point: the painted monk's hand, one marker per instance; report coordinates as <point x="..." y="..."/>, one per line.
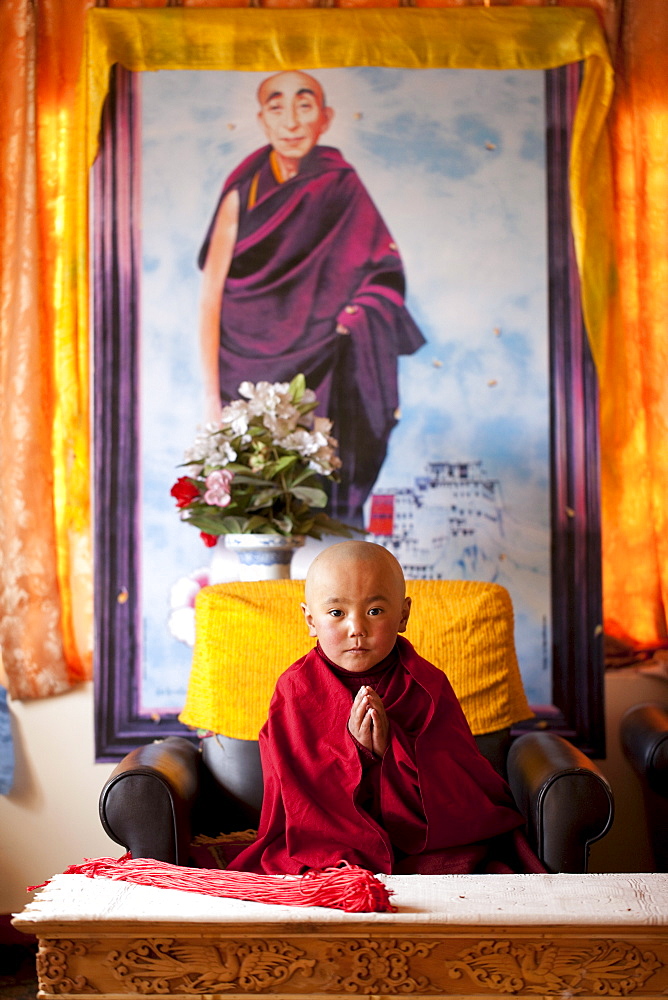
<point x="368" y="721"/>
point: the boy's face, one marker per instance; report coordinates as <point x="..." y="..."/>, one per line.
<point x="355" y="608"/>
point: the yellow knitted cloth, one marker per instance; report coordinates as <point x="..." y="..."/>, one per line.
<point x="249" y="633"/>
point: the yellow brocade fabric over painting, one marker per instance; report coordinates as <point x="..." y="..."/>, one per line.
<point x="247" y="634"/>
<point x="456" y="38"/>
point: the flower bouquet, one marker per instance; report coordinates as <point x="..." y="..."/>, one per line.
<point x="259" y="470"/>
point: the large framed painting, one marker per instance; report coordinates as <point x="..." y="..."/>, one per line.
<point x="489" y="470"/>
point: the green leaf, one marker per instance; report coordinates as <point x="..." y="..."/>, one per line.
<point x="273" y="469"/>
<point x="205" y="519"/>
<point x="257" y="431"/>
<point x="193" y="461"/>
<point x="311" y="495"/>
<point x="332" y="527"/>
<point x="263" y="499"/>
<point x="303" y="526"/>
<point x="253" y="479"/>
<point x="303" y="476"/>
<point x="232" y="525"/>
<point x="305" y="408"/>
<point x="237" y="468"/>
<point x="286" y="526"/>
<point x="258" y="525"/>
<point x="297" y="387"/>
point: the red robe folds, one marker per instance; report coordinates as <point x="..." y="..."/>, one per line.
<point x="438" y="805"/>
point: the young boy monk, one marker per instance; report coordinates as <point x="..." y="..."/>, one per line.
<point x="366" y="754"/>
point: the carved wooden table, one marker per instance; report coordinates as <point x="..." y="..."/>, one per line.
<point x="453" y="936"/>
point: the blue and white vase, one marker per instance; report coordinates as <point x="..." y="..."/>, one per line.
<point x="259" y="557"/>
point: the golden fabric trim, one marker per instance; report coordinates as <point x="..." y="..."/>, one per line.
<point x="276" y="167"/>
<point x="247" y="634"/>
<point x="252" y="194"/>
<point x="278" y="177"/>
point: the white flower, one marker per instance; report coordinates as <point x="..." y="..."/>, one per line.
<point x="282" y="423"/>
<point x="265" y="397"/>
<point x="315" y="446"/>
<point x="209" y="448"/>
<point x="301" y="441"/>
<point x="222" y="453"/>
<point x="325" y="461"/>
<point x="236" y="416"/>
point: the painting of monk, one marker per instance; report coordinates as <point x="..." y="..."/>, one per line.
<point x="301" y="274"/>
<point x="384" y="232"/>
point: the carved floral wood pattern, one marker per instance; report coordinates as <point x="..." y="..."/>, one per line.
<point x="53" y="968"/>
<point x="445" y="963"/>
<point x="380" y="966"/>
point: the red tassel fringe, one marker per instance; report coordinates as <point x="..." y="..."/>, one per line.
<point x="346" y="887"/>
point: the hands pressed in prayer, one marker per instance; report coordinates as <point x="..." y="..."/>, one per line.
<point x="368" y="721"/>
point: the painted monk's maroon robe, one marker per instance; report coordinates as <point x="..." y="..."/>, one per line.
<point x="433" y="804"/>
<point x="311" y="253"/>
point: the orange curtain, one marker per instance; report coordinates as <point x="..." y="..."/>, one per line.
<point x="45" y="553"/>
<point x="45" y="549"/>
<point x="634" y="379"/>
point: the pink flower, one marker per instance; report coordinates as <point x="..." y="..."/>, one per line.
<point x="218" y="488"/>
<point x="183" y="491"/>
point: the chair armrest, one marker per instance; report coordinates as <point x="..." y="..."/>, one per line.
<point x="147" y="802"/>
<point x="566" y="801"/>
<point x="644" y="737"/>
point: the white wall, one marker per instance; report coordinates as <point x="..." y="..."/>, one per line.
<point x="49" y="820"/>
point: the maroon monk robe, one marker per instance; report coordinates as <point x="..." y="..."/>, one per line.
<point x="313" y="252"/>
<point x="439" y="807"/>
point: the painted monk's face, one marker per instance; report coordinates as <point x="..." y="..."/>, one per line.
<point x="293" y="113"/>
<point x="356" y="604"/>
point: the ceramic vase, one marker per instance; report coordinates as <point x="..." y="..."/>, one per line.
<point x="259" y="557"/>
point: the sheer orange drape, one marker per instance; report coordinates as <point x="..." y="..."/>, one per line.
<point x="634" y="377"/>
<point x="45" y="564"/>
<point x="45" y="589"/>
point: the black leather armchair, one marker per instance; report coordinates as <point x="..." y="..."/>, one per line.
<point x="644" y="739"/>
<point x="162" y="795"/>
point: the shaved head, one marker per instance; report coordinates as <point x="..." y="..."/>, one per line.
<point x="343" y="554"/>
